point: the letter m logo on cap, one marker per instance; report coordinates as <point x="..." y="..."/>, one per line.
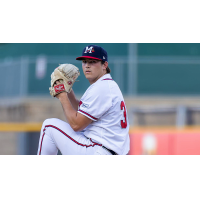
<point x="90" y="50"/>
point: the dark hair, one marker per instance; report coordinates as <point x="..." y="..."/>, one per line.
<point x="107" y="69"/>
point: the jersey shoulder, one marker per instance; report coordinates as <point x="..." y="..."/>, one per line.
<point x="100" y="87"/>
<point x="107" y="84"/>
<point x="106" y="87"/>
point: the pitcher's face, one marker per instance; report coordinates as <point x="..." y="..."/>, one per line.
<point x="93" y="69"/>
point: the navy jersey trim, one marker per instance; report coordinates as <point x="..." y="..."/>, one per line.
<point x="87" y="114"/>
<point x="83" y="145"/>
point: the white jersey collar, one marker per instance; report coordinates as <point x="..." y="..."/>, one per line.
<point x="106" y="76"/>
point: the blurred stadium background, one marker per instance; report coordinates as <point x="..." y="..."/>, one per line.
<point x="160" y="83"/>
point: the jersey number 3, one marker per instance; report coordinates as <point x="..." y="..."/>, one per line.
<point x="123" y="122"/>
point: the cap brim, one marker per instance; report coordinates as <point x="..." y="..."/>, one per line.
<point x="89" y="57"/>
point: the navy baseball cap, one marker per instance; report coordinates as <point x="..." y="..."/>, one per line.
<point x="94" y="52"/>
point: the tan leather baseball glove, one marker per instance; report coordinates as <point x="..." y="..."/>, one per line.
<point x="66" y="74"/>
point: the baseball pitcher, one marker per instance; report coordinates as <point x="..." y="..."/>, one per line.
<point x="98" y="123"/>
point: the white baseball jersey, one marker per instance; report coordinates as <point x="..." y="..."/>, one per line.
<point x="104" y="104"/>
